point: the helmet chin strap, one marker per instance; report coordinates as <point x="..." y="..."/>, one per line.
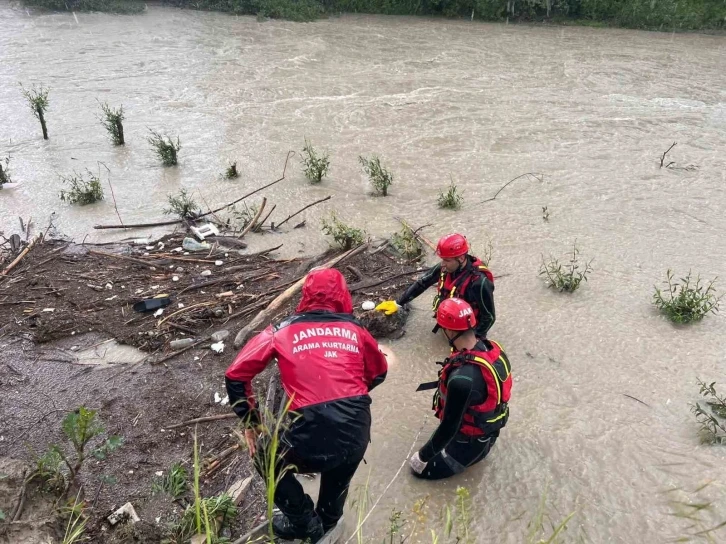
<point x="455" y="338"/>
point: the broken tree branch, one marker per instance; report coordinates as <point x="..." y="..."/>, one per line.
<point x="19" y="258"/>
<point x="302" y="210"/>
<point x="201" y="420"/>
<point x="538" y="177"/>
<point x="662" y="159"/>
<point x="251" y="224"/>
<point x="259" y="225"/>
<point x="125" y="258"/>
<point x="265" y="315"/>
<point x="177" y="221"/>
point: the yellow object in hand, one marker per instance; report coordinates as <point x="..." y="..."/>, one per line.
<point x="388" y="307"/>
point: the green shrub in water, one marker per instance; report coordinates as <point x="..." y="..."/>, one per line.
<point x="686" y="301"/>
<point x="344" y="235"/>
<point x="82" y="191"/>
<point x="565" y="277"/>
<point x="164" y="147"/>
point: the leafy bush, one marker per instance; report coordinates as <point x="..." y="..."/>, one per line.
<point x="451" y="199"/>
<point x="5" y="172"/>
<point x="231" y="172"/>
<point x="164" y="147"/>
<point x="174" y="483"/>
<point x="110" y="6"/>
<point x="345" y="236"/>
<point x="37" y="98"/>
<point x="316" y="166"/>
<point x="112" y="121"/>
<point x="712" y="417"/>
<point x="686" y="301"/>
<point x="82" y="191"/>
<point x="380" y="177"/>
<point x="565" y="277"/>
<point x="406" y="244"/>
<point x="182" y="205"/>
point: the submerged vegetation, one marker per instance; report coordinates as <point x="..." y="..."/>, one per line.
<point x="686" y="301"/>
<point x="565" y="277"/>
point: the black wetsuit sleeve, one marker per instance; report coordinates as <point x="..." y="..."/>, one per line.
<point x="460" y="387"/>
<point x="481" y="292"/>
<point x="420" y="285"/>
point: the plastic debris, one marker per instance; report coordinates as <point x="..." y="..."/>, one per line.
<point x="368" y="305"/>
<point x="218" y="347"/>
<point x="208" y="229"/>
<point x="206" y="273"/>
<point x="158" y="312"/>
<point x="218" y="263"/>
<point x="151" y="304"/>
<point x="175" y="278"/>
<point x="125" y="512"/>
<point x="190" y="244"/>
<point x="220" y="335"/>
<point x="181" y="343"/>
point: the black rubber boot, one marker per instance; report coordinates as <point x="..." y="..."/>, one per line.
<point x="285" y="529"/>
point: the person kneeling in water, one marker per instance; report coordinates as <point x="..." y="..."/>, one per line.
<point x="471" y="399"/>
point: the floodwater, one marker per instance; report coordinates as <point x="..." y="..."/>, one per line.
<point x="591" y="109"/>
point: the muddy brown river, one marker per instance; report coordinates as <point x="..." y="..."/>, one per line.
<point x="590" y="109"/>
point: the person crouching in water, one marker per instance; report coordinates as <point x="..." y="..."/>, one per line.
<point x="471" y="399"/>
<point x="328" y="364"/>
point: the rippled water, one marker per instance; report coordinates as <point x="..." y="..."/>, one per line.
<point x="590" y="109"/>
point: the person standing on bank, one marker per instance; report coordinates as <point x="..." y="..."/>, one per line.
<point x="328" y="364"/>
<point x="471" y="399"/>
<point x="457" y="275"/>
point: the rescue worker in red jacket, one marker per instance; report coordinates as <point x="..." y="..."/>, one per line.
<point x="328" y="364"/>
<point x="471" y="400"/>
<point x="457" y="275"/>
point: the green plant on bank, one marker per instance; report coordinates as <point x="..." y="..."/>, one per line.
<point x="686" y="301"/>
<point x="37" y="98"/>
<point x="173" y="483"/>
<point x="231" y="172"/>
<point x="316" y="166"/>
<point x="343" y="235"/>
<point x="380" y="177"/>
<point x="76" y="523"/>
<point x="565" y="277"/>
<point x="82" y="191"/>
<point x="59" y="467"/>
<point x="112" y="121"/>
<point x="5" y="172"/>
<point x="696" y="509"/>
<point x="451" y="199"/>
<point x="109" y="6"/>
<point x="712" y="415"/>
<point x="207" y="516"/>
<point x="407" y="244"/>
<point x="182" y="205"/>
<point x="395" y="526"/>
<point x="293" y="10"/>
<point x="164" y="147"/>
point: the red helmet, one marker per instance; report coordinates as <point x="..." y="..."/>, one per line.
<point x="455" y="314"/>
<point x="452" y="246"/>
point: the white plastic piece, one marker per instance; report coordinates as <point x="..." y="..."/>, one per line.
<point x="158" y="312"/>
<point x="218" y="347"/>
<point x="175" y="278"/>
<point x="368" y="305"/>
<point x="206" y="273"/>
<point x="208" y="229"/>
<point x="126" y="511"/>
<point x="218" y="263"/>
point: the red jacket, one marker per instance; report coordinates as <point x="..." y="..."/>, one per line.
<point x="328" y="361"/>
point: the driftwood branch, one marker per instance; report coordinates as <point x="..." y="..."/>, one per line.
<point x="259" y="225"/>
<point x="367" y="284"/>
<point x="125" y="258"/>
<point x="266" y="314"/>
<point x="210" y="212"/>
<point x="201" y="420"/>
<point x="19" y="258"/>
<point x="251" y="224"/>
<point x="302" y="210"/>
<point x="538" y="177"/>
<point x="662" y="159"/>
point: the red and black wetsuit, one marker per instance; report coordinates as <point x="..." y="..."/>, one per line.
<point x="472" y="404"/>
<point x="328" y="364"/>
<point x="473" y="282"/>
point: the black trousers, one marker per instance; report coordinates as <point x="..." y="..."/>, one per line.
<point x="335" y="476"/>
<point x="461" y="453"/>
